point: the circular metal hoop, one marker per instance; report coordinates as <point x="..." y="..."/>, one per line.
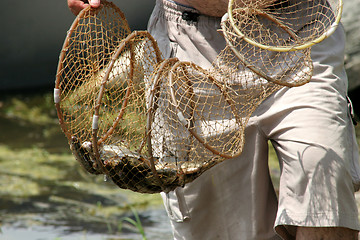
<point x="188" y="123"/>
<point x="116" y="55"/>
<point x="257" y="70"/>
<point x="302" y="46"/>
<point x="84" y="14"/>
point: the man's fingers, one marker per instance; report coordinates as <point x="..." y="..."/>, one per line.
<point x="94" y="3"/>
<point x="77" y="5"/>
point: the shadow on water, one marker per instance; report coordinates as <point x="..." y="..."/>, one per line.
<point x="44" y="194"/>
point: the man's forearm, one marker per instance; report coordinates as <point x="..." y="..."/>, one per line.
<point x="218" y="8"/>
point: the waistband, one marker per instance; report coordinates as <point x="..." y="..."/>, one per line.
<point x="173" y="11"/>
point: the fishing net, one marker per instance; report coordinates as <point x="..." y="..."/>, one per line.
<point x="152" y="124"/>
<point x="284" y="25"/>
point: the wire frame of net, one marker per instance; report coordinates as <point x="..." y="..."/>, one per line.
<point x="85" y="55"/>
<point x="149" y="124"/>
<point x="284" y="25"/>
<point x="86" y="52"/>
<point x="286" y="68"/>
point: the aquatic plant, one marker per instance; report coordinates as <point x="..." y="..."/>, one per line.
<point x="136" y="222"/>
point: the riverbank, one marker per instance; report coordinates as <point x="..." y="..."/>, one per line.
<point x="44" y="193"/>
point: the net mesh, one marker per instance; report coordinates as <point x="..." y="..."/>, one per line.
<point x="284" y="25"/>
<point x="152" y="124"/>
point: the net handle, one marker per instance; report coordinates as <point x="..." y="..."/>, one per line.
<point x="308" y="44"/>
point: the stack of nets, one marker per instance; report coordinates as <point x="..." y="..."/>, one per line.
<point x="152" y="124"/>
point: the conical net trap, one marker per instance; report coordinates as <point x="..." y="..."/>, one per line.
<point x="152" y="124"/>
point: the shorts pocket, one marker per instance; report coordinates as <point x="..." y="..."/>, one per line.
<point x="351" y="111"/>
<point x="175" y="205"/>
<point x="355" y="167"/>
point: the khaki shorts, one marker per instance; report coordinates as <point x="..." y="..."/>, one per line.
<point x="309" y="127"/>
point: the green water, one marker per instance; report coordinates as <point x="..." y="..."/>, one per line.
<point x="44" y="194"/>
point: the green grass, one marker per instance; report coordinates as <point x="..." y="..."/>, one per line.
<point x="136" y="223"/>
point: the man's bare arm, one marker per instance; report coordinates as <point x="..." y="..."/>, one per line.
<point x="218" y="8"/>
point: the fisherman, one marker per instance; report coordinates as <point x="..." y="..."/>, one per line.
<point x="309" y="126"/>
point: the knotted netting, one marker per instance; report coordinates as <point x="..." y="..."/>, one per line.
<point x="152" y="124"/>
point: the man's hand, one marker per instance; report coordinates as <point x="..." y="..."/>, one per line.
<point x="77" y="5"/>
